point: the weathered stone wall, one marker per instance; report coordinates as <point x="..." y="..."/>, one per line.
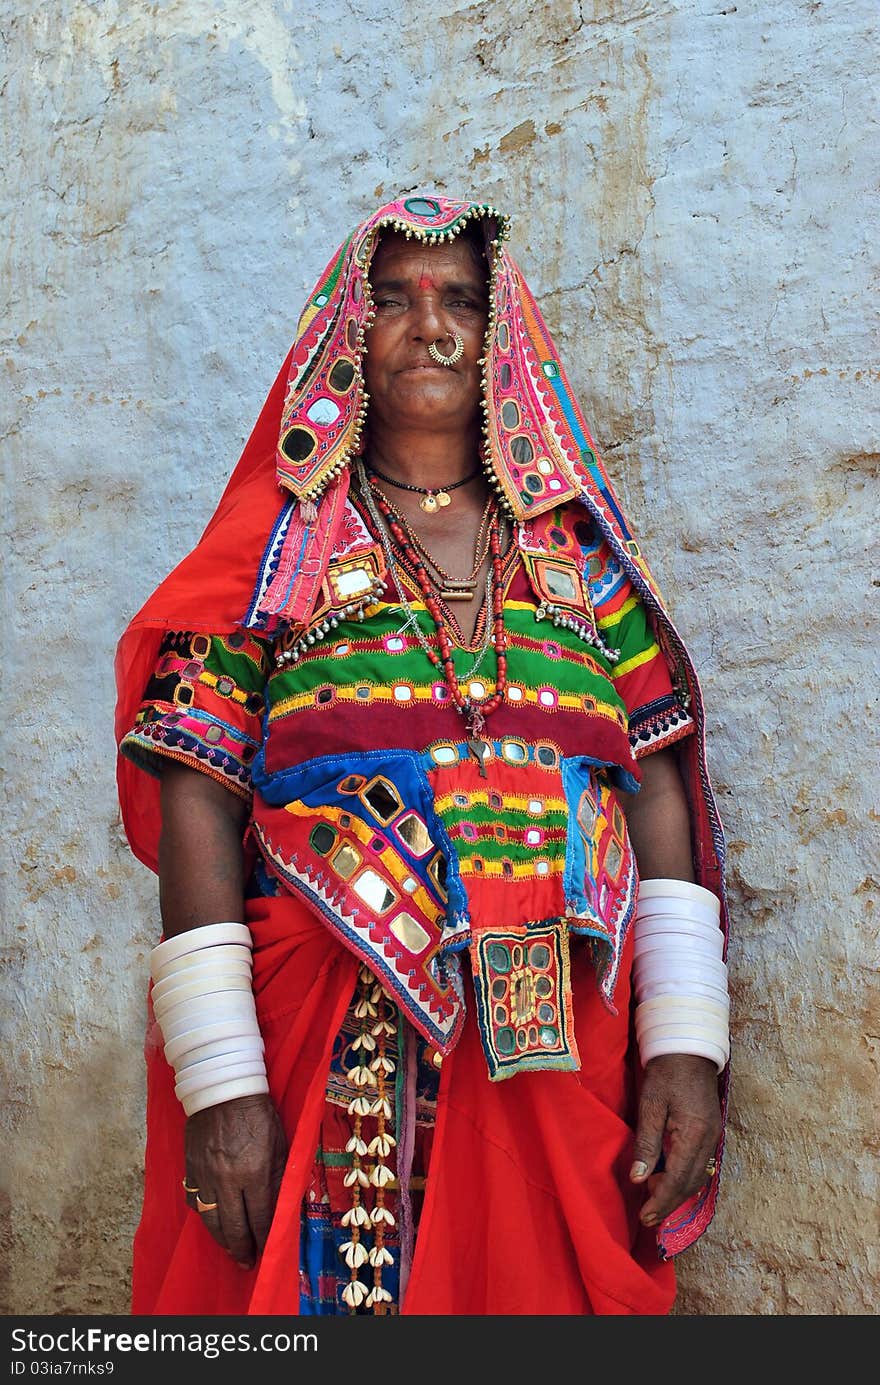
<point x="689" y="180"/>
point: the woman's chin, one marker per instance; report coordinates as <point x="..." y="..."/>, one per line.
<point x="430" y="400"/>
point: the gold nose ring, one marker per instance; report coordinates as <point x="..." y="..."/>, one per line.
<point x="455" y="355"/>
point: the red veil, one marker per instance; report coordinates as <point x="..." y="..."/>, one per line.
<point x="208" y="590"/>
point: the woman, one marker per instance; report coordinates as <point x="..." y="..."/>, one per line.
<point x="419" y="700"/>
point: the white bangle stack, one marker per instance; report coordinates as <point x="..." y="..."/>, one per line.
<point x="680" y="977"/>
<point x="203" y="1001"/>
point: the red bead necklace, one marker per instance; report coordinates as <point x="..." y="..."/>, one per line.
<point x="451" y="588"/>
<point x="474" y="713"/>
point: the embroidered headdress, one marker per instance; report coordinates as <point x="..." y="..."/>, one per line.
<point x="537" y="449"/>
<point x="532" y="454"/>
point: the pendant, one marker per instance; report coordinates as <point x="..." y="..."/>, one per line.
<point x="443" y="499"/>
<point x="428" y="503"/>
<point x="460" y="592"/>
<point x="478" y="750"/>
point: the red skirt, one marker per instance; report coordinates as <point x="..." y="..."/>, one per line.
<point x="528" y="1208"/>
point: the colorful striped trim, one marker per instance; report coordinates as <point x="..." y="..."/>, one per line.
<point x="214" y="747"/>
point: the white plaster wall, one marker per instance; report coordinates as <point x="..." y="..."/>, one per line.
<point x="690" y="186"/>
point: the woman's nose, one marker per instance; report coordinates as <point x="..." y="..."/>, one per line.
<point x="428" y="321"/>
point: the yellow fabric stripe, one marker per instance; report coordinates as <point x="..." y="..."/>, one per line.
<point x="347" y="694"/>
<point x="480" y="799"/>
<point x="570" y="702"/>
<point x="210" y="680"/>
<point x="394" y="864"/>
<point x="522" y="871"/>
<point x="637" y="660"/>
<point x="617" y="617"/>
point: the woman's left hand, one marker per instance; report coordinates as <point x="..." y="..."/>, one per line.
<point x="235" y="1157"/>
<point x="679" y="1116"/>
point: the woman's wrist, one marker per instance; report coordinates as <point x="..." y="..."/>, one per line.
<point x="204" y="1006"/>
<point x="682" y="1003"/>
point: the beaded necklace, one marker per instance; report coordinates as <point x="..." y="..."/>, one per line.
<point x="452" y="588"/>
<point x="411" y="622"/>
<point x="472" y="710"/>
<point x="431" y="499"/>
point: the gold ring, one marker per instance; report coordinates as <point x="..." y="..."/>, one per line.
<point x="187" y="1188"/>
<point x="204" y="1206"/>
<point x="455" y="354"/>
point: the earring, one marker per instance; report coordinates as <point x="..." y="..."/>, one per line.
<point x="456" y="354"/>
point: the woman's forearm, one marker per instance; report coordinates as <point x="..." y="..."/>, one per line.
<point x="658" y="820"/>
<point x="201" y="863"/>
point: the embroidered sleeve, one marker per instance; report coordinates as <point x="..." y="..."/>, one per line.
<point x="203" y="706"/>
<point x="641" y="676"/>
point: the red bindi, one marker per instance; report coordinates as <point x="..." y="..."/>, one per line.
<point x="426" y="282"/>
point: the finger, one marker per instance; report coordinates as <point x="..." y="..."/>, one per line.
<point x="208" y="1210"/>
<point x="236" y="1229"/>
<point x="649" y="1138"/>
<point x="190" y="1188"/>
<point x="260" y="1204"/>
<point x="684" y="1173"/>
<point x="672" y="1189"/>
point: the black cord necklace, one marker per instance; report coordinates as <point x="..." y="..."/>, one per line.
<point x="431" y="499"/>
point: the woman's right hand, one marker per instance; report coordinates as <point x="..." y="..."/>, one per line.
<point x="235" y="1157"/>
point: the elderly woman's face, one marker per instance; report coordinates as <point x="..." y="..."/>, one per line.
<point x="424" y="294"/>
